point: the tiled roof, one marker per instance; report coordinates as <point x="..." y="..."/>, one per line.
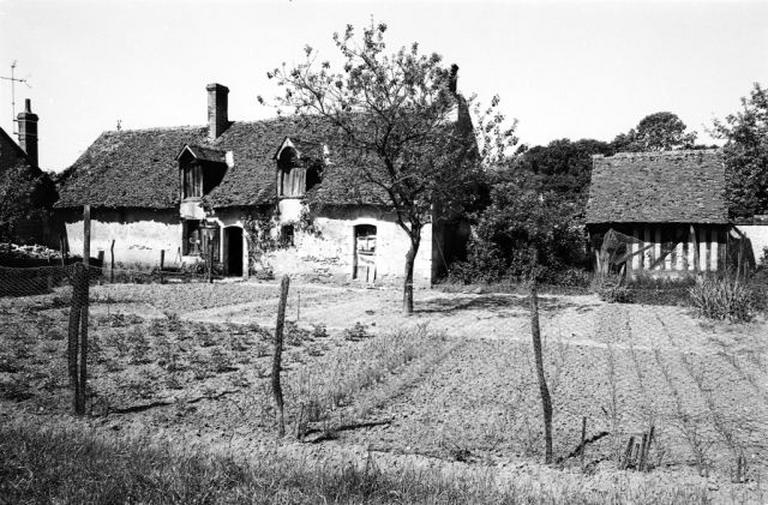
<point x="658" y="187"/>
<point x="206" y="154"/>
<point x="138" y="168"/>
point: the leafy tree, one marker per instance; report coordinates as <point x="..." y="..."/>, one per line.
<point x="660" y="131"/>
<point x="26" y="196"/>
<point x="562" y="166"/>
<point x="746" y="154"/>
<point x="521" y="221"/>
<point x="393" y="113"/>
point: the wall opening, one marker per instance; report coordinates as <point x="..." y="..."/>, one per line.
<point x="191" y="240"/>
<point x="287" y="235"/>
<point x="364" y="260"/>
<point x="233" y="251"/>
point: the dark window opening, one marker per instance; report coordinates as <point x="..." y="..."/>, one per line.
<point x="313" y="176"/>
<point x="199" y="177"/>
<point x="287" y="235"/>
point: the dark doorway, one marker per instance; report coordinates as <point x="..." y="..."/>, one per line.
<point x="233" y="251"/>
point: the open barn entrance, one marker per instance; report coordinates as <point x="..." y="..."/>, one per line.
<point x="233" y="251"/>
<point x="364" y="261"/>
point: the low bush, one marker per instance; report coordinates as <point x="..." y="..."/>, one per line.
<point x="661" y="291"/>
<point x="725" y="299"/>
<point x="611" y="289"/>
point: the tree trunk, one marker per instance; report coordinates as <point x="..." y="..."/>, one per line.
<point x="410" y="258"/>
<point x="546" y="401"/>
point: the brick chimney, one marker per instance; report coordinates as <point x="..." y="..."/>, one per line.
<point x="28" y="131"/>
<point x="217" y="110"/>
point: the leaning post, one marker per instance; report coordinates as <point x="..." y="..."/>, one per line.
<point x="277" y="390"/>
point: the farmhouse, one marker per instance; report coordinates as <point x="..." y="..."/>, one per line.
<point x="659" y="213"/>
<point x="26" y="192"/>
<point x="221" y="188"/>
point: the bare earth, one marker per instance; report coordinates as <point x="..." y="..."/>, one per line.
<point x="466" y="398"/>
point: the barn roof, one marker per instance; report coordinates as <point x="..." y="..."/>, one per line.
<point x="684" y="186"/>
<point x="138" y="168"/>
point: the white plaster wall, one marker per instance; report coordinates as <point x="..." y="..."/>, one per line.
<point x="290" y="210"/>
<point x="330" y="254"/>
<point x="758" y="235"/>
<point x="139" y="238"/>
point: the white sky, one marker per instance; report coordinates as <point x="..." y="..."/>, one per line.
<point x="567" y="69"/>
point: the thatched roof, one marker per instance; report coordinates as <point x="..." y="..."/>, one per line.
<point x="658" y="187"/>
<point x="138" y="168"/>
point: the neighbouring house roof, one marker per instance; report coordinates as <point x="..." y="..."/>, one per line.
<point x="658" y="187"/>
<point x="138" y="168"/>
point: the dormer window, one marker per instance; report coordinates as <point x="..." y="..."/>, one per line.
<point x="296" y="173"/>
<point x="201" y="169"/>
<point x="290" y="173"/>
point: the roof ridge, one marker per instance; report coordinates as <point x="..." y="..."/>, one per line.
<point x="670" y="153"/>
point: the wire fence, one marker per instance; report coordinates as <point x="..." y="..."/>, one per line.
<point x="645" y="384"/>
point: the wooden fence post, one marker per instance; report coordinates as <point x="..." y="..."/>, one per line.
<point x="162" y="264"/>
<point x="81" y="379"/>
<point x="112" y="262"/>
<point x="277" y="390"/>
<point x="74" y="323"/>
<point x="583" y="440"/>
<point x="80" y="391"/>
<point x="61" y="251"/>
<point x="210" y="261"/>
<point x="546" y="400"/>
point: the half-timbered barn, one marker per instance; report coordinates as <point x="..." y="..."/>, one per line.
<point x="659" y="213"/>
<point x="186" y="192"/>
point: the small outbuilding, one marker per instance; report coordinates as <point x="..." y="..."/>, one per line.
<point x="659" y="214"/>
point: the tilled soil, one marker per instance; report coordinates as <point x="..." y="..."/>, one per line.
<point x="473" y="400"/>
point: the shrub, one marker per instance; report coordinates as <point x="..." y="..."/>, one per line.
<point x="295" y="335"/>
<point x="610" y="289"/>
<point x="358" y="332"/>
<point x="723" y="299"/>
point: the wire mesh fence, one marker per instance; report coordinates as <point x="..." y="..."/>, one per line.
<point x="615" y="371"/>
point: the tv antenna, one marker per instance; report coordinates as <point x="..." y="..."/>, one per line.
<point x="14" y="80"/>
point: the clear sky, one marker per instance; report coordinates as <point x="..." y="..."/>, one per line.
<point x="563" y="69"/>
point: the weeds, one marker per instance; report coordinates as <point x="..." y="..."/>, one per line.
<point x="358" y="332"/>
<point x="40" y="468"/>
<point x="723" y="299"/>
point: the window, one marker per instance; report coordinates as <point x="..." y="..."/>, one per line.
<point x="287" y="235"/>
<point x="196" y="238"/>
<point x="192" y="241"/>
<point x="192" y="181"/>
<point x="291" y="175"/>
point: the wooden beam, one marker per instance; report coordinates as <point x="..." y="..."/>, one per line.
<point x="694" y="251"/>
<point x="702" y="250"/>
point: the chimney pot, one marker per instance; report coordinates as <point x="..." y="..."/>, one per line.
<point x="28" y="131"/>
<point x="217" y="110"/>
